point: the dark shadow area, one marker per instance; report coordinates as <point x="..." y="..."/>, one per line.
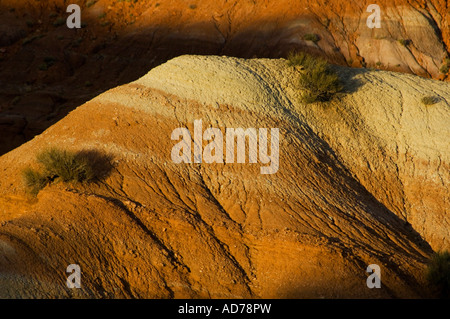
<point x="438" y="274"/>
<point x="369" y="203"/>
<point x="47" y="69"/>
<point x="372" y="206"/>
<point x="348" y="78"/>
<point x="100" y="163"/>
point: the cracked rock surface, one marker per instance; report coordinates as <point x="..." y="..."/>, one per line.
<point x="362" y="180"/>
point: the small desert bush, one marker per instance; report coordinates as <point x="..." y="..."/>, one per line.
<point x="65" y="166"/>
<point x="34" y="180"/>
<point x="429" y="100"/>
<point x="311" y="37"/>
<point x="438" y="274"/>
<point x="317" y="78"/>
<point x="299" y="59"/>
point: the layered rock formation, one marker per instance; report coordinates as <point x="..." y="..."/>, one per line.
<point x="362" y="180"/>
<point x="47" y="69"/>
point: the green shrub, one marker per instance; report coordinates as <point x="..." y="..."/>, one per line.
<point x="34" y="180"/>
<point x="429" y="100"/>
<point x="299" y="59"/>
<point x="65" y="166"/>
<point x="311" y="37"/>
<point x="317" y="78"/>
<point x="438" y="274"/>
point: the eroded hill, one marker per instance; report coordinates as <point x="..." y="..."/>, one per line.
<point x="46" y="69"/>
<point x="362" y="180"/>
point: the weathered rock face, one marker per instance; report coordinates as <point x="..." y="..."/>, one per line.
<point x="354" y="175"/>
<point x="121" y="41"/>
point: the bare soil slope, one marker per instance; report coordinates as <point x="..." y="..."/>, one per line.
<point x="362" y="180"/>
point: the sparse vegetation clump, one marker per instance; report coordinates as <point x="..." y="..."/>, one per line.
<point x="317" y="78"/>
<point x="438" y="274"/>
<point x="311" y="37"/>
<point x="34" y="180"/>
<point x="65" y="166"/>
<point x="429" y="100"/>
